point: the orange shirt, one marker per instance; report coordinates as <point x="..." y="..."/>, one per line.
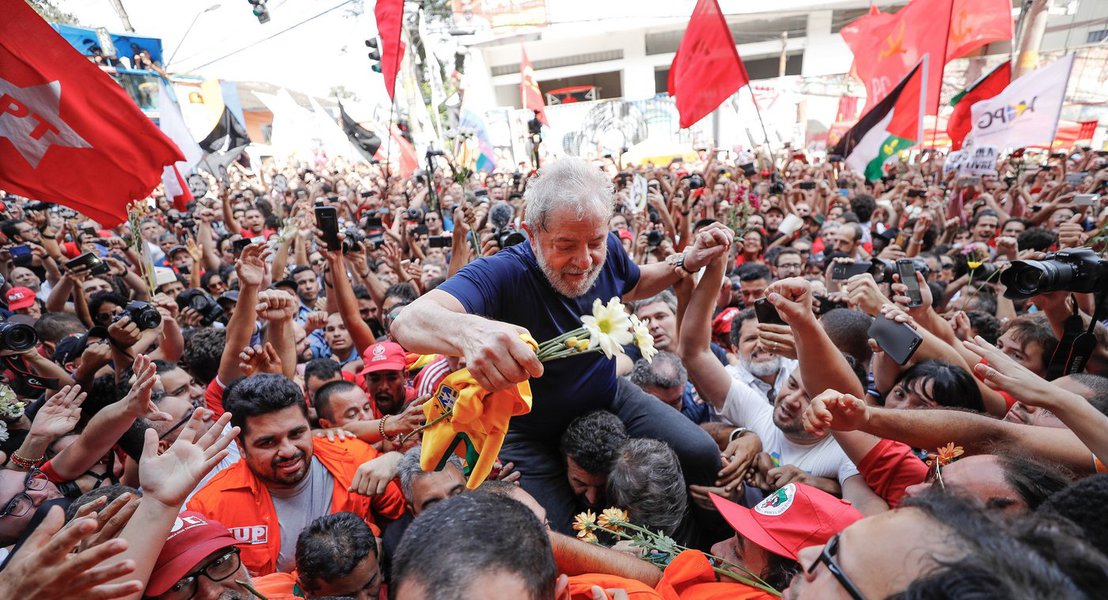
<point x="277" y="586"/>
<point x="580" y="587"/>
<point x="690" y="577"/>
<point x="237" y="499"/>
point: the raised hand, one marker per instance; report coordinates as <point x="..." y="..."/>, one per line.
<point x="60" y="413"/>
<point x="170" y="476"/>
<point x="277" y="305"/>
<point x="374" y="476"/>
<point x="259" y="359"/>
<point x="792" y="298"/>
<point x="138" y="400"/>
<point x="251" y="266"/>
<point x="835" y="410"/>
<point x="710" y="242"/>
<point x="48" y="565"/>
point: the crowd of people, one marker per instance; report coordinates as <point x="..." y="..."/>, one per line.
<point x="861" y="389"/>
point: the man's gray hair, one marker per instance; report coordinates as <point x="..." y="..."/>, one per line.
<point x="408" y="469"/>
<point x="646" y="480"/>
<point x="569" y="182"/>
<point x="665" y="372"/>
<point x="665" y="297"/>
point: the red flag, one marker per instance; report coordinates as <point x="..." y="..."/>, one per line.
<point x="707" y="69"/>
<point x="68" y="133"/>
<point x="887" y="46"/>
<point x="848" y="109"/>
<point x="961" y="120"/>
<point x="1088" y="129"/>
<point x="529" y="92"/>
<point x="389" y="14"/>
<point x="975" y="23"/>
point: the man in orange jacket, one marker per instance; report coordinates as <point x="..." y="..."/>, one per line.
<point x="285" y="479"/>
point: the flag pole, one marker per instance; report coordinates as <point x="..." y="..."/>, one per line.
<point x="942" y="71"/>
<point x="758" y="111"/>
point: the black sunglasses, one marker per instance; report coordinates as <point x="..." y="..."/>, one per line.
<point x="827" y="557"/>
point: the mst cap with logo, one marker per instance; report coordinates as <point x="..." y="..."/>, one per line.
<point x="192" y="538"/>
<point x="794" y="517"/>
<point x="384" y="356"/>
<point x="20" y="298"/>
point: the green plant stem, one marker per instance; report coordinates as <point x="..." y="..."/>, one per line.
<point x="752" y="581"/>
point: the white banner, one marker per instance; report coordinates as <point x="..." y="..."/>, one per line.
<point x="954" y="161"/>
<point x="982" y="162"/>
<point x="1026" y="112"/>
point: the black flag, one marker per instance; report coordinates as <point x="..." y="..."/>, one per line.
<point x="224" y="144"/>
<point x="363" y="139"/>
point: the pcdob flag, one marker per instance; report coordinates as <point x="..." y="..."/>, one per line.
<point x="1026" y="112"/>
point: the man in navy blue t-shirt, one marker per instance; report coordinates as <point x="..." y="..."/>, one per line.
<point x="543" y="287"/>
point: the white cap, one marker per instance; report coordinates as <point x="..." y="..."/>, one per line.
<point x="163" y="276"/>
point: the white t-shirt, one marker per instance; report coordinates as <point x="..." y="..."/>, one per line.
<point x="747" y="407"/>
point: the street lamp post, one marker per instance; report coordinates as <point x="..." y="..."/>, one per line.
<point x="182" y="42"/>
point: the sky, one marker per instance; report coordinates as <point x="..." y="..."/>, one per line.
<point x="327" y="51"/>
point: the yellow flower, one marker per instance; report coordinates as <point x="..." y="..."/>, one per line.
<point x="643" y="339"/>
<point x="609" y="517"/>
<point x="609" y="327"/>
<point x="583" y="524"/>
<point x="571" y="342"/>
<point x="948" y="453"/>
<point x="582" y="345"/>
<point x="973" y="264"/>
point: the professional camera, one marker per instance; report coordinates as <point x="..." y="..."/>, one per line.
<point x="17" y="337"/>
<point x="142" y="314"/>
<point x="354" y="236"/>
<point x="696" y="181"/>
<point x="500" y="216"/>
<point x="1073" y="270"/>
<point x="201" y="302"/>
<point x="655" y="239"/>
<point x="509" y="237"/>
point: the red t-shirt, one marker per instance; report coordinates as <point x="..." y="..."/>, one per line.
<point x="889" y="468"/>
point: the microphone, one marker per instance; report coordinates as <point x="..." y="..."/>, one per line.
<point x="500" y="215"/>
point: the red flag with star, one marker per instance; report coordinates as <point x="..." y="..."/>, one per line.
<point x="390" y="14"/>
<point x="68" y="132"/>
<point x="887" y="46"/>
<point x="707" y="68"/>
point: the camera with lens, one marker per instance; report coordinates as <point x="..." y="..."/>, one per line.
<point x="414" y="214"/>
<point x="777" y="187"/>
<point x="201" y="302"/>
<point x="354" y="236"/>
<point x="189" y="224"/>
<point x="654" y="239"/>
<point x="508" y="237"/>
<point x="141" y="314"/>
<point x="17" y="337"/>
<point x="1077" y="270"/>
<point x="696" y="181"/>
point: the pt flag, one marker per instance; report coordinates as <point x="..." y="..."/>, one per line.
<point x="707" y="69"/>
<point x="888" y="45"/>
<point x="68" y="133"/>
<point x="1026" y="113"/>
<point x="529" y="88"/>
<point x="961" y="121"/>
<point x="389" y="14"/>
<point x="895" y="124"/>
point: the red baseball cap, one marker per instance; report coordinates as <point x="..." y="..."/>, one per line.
<point x="721" y="325"/>
<point x="625" y="234"/>
<point x="192" y="538"/>
<point x="20" y="297"/>
<point x="384" y="356"/>
<point x="794" y="517"/>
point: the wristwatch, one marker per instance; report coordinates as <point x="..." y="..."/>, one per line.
<point x="736" y="433"/>
<point x="677" y="261"/>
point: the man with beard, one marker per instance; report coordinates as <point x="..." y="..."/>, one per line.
<point x="590" y="446"/>
<point x="199" y="557"/>
<point x="789" y="453"/>
<point x="541" y="288"/>
<point x="385" y="380"/>
<point x="286" y="479"/>
<point x="758" y="368"/>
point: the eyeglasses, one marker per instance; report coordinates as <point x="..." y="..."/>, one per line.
<point x="222" y="567"/>
<point x="184" y="419"/>
<point x="22" y="502"/>
<point x="827" y="557"/>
